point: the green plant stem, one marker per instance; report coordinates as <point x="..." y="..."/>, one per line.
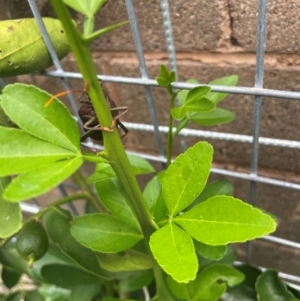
<point x="170" y="133"/>
<point x="114" y="149"/>
<point x="88" y="25"/>
<point x="83" y="185"/>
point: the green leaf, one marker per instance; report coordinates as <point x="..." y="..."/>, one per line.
<point x="135" y="282"/>
<point x="182" y="94"/>
<point x="172" y="76"/>
<point x="153" y="197"/>
<point x="59" y="233"/>
<point x="53" y="124"/>
<point x="67" y="276"/>
<point x="54" y="293"/>
<point x="223" y="219"/>
<point x="34" y="296"/>
<point x="23" y="49"/>
<point x="104" y="233"/>
<point x="269" y="287"/>
<point x="87" y="8"/>
<point x="210" y="283"/>
<point x="210" y="252"/>
<point x="229" y="257"/>
<point x="215" y="117"/>
<point x="245" y="290"/>
<point x="195" y="105"/>
<point x="40" y="180"/>
<point x="218" y="187"/>
<point x="115" y="199"/>
<point x="4" y="120"/>
<point x="85" y="292"/>
<point x="130" y="260"/>
<point x="216" y="97"/>
<point x="194" y="102"/>
<point x="54" y="255"/>
<point x="140" y="166"/>
<point x="10" y="276"/>
<point x="10" y="214"/>
<point x="163" y="72"/>
<point x="186" y="177"/>
<point x="197" y="93"/>
<point x="162" y="82"/>
<point x="21" y="152"/>
<point x="174" y="251"/>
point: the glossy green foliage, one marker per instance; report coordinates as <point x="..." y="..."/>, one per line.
<point x="246" y="289"/>
<point x="223" y="219"/>
<point x="10" y="277"/>
<point x="53" y="123"/>
<point x="44" y="150"/>
<point x="174" y="250"/>
<point x="186" y="177"/>
<point x="209" y="285"/>
<point x="216" y="221"/>
<point x="218" y="187"/>
<point x="210" y="252"/>
<point x="54" y="293"/>
<point x="210" y="117"/>
<point x="135" y="282"/>
<point x="104" y="233"/>
<point x="154" y="199"/>
<point x="10" y="214"/>
<point x="116" y="201"/>
<point x="166" y="78"/>
<point x="127" y="261"/>
<point x="195" y="101"/>
<point x="270" y="287"/>
<point x="22" y="48"/>
<point x="59" y="233"/>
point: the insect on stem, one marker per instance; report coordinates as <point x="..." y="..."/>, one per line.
<point x="87" y="114"/>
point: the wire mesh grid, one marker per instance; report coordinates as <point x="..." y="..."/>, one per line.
<point x="258" y="92"/>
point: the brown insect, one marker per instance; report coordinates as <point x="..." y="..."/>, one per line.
<point x="91" y="125"/>
<point x="87" y="114"/>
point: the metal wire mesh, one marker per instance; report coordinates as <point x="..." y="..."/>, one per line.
<point x="257" y="92"/>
